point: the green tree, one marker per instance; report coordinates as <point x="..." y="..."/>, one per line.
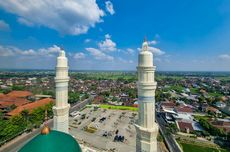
<point x="18" y="87"/>
<point x="49" y="92"/>
<point x="73" y="97"/>
<point x="25" y="115"/>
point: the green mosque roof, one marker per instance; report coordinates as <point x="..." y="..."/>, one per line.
<point x="54" y="141"/>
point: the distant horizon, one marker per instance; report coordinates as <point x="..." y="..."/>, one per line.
<point x="70" y="70"/>
<point x="108" y="35"/>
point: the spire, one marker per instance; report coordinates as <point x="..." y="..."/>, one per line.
<point x="62" y="53"/>
<point x="145" y="44"/>
<point x="145" y="39"/>
<point x="45" y="130"/>
<point x="62" y="48"/>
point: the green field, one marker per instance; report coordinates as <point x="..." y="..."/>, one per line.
<point x="226" y="78"/>
<point x="195" y="148"/>
<point x="118" y="107"/>
<point x="131" y="76"/>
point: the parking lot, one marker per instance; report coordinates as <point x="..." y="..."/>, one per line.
<point x="105" y="129"/>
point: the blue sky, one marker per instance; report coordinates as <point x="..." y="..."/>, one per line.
<point x="184" y="35"/>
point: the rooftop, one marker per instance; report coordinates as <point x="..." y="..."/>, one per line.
<point x="30" y="106"/>
<point x="19" y="94"/>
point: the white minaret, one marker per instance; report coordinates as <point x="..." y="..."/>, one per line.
<point x="146" y="127"/>
<point x="61" y="108"/>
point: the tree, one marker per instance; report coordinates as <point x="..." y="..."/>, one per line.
<point x="25" y="115"/>
<point x="211" y="129"/>
<point x="73" y="97"/>
<point x="48" y="92"/>
<point x="18" y="124"/>
<point x="18" y="87"/>
<point x="173" y="128"/>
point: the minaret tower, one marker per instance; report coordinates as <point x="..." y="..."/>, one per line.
<point x="61" y="108"/>
<point x="146" y="127"/>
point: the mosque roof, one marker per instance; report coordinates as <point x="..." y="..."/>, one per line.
<point x="52" y="141"/>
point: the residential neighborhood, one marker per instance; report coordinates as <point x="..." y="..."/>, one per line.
<point x="193" y="107"/>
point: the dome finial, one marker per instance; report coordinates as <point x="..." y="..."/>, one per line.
<point x="145" y="39"/>
<point x="45" y="130"/>
<point x="145" y="45"/>
<point x="62" y="52"/>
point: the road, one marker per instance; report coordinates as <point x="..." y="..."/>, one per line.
<point x="18" y="142"/>
<point x="80" y="105"/>
<point x="170" y="141"/>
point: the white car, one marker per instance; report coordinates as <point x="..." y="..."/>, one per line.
<point x="72" y="114"/>
<point x="76" y="116"/>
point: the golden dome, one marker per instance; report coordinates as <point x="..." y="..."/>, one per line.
<point x="45" y="130"/>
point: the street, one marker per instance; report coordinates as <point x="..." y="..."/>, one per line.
<point x="172" y="146"/>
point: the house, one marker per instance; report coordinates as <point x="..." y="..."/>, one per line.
<point x="30" y="106"/>
<point x="185" y="127"/>
<point x="13" y="99"/>
<point x="188" y="126"/>
<point x="184" y="109"/>
<point x="213" y="110"/>
<point x="221" y="124"/>
<point x="19" y="94"/>
<point x="168" y="105"/>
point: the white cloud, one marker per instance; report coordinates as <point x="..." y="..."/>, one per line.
<point x="107" y="44"/>
<point x="49" y="51"/>
<point x="224" y="56"/>
<point x="87" y="40"/>
<point x="125" y="61"/>
<point x="66" y="16"/>
<point x="154" y="50"/>
<point x="107" y="36"/>
<point x="158" y="59"/>
<point x="99" y="55"/>
<point x="4" y="26"/>
<point x="27" y="52"/>
<point x="14" y="51"/>
<point x="130" y="51"/>
<point x="79" y="55"/>
<point x="153" y="42"/>
<point x="109" y="7"/>
<point x="25" y="22"/>
<point x="6" y="51"/>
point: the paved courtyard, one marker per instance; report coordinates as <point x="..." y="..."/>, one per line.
<point x="106" y="124"/>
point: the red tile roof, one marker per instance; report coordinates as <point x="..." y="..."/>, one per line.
<point x="221" y="125"/>
<point x="184" y="109"/>
<point x="2" y="95"/>
<point x="168" y="104"/>
<point x="6" y="101"/>
<point x="30" y="106"/>
<point x="184" y="126"/>
<point x="19" y="94"/>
